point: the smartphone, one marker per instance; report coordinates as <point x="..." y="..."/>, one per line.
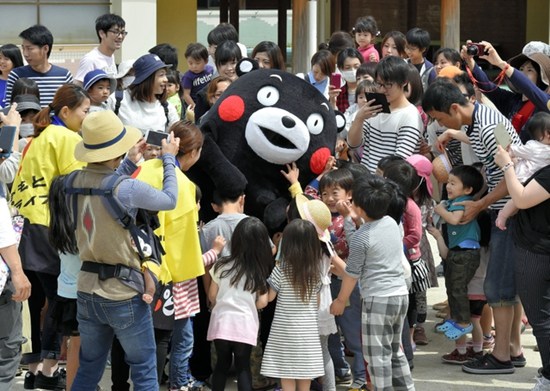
<point x="7" y="136"/>
<point x="336" y="80"/>
<point x="380" y="100"/>
<point x="155" y="137"/>
<point x="502" y="137"/>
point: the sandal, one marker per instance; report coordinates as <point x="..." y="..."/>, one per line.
<point x="456" y="331"/>
<point x="444" y="326"/>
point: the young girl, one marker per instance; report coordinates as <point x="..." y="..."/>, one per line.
<point x="238" y="289"/>
<point x="173" y="90"/>
<point x="365" y="32"/>
<point x="10" y="57"/>
<point x="293" y="352"/>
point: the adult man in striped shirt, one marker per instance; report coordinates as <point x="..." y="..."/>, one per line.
<point x="37" y="47"/>
<point x="444" y="102"/>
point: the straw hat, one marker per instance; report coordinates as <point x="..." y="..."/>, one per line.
<point x="423" y="168"/>
<point x="104" y="137"/>
<point x="317" y="213"/>
<point x="441" y="168"/>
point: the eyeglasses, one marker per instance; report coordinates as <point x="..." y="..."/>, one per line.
<point x="386" y="86"/>
<point x="122" y="33"/>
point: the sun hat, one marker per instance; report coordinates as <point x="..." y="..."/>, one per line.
<point x="145" y="66"/>
<point x="124" y="67"/>
<point x="25" y="102"/>
<point x="317" y="213"/>
<point x="96" y="75"/>
<point x="450" y="71"/>
<point x="423" y="168"/>
<point x="541" y="59"/>
<point x="441" y="168"/>
<point x="104" y="137"/>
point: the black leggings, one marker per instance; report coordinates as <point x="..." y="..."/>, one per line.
<point x="225" y="351"/>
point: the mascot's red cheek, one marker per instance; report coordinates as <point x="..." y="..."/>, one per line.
<point x="231" y="109"/>
<point x="319" y="160"/>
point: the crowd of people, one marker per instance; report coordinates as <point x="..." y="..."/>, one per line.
<point x="428" y="148"/>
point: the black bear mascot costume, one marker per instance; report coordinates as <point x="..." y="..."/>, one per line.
<point x="264" y="120"/>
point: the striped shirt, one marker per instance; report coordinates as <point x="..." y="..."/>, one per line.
<point x="186" y="293"/>
<point x="482" y="139"/>
<point x="397" y="133"/>
<point x="48" y="82"/>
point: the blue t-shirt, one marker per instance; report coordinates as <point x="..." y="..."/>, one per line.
<point x="462" y="235"/>
<point x="196" y="81"/>
<point x="3" y="92"/>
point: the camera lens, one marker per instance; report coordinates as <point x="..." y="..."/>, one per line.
<point x="472" y="50"/>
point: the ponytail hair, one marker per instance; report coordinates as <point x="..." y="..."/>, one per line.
<point x="61" y="232"/>
<point x="69" y="95"/>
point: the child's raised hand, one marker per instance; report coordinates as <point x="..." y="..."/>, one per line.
<point x="293" y="173"/>
<point x="440" y="208"/>
<point x="218" y="244"/>
<point x="330" y="165"/>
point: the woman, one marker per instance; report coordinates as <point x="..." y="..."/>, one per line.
<point x="532" y="233"/>
<point x="393" y="44"/>
<point x="269" y="55"/>
<point x="113" y="303"/>
<point x="50" y="153"/>
<point x="144" y="104"/>
<point x="181" y="242"/>
<point x="348" y="61"/>
<point x="529" y="77"/>
<point x="10" y="58"/>
<point x="322" y="66"/>
<point x="215" y="89"/>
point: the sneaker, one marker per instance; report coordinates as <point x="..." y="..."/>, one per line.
<point x="455" y="357"/>
<point x="28" y="383"/>
<point x="489" y="365"/>
<point x="518" y="361"/>
<point x="57" y="382"/>
<point x="473" y="354"/>
<point x="346" y="378"/>
<point x="358" y="386"/>
<point x="543" y="384"/>
<point x="419" y="336"/>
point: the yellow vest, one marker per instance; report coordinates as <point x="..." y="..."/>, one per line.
<point x="47" y="156"/>
<point x="178" y="227"/>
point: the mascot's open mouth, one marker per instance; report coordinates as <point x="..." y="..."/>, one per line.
<point x="276" y="139"/>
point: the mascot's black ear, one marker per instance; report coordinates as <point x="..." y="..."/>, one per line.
<point x="340" y="121"/>
<point x="247" y="65"/>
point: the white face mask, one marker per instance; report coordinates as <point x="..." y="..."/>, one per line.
<point x="26" y="130"/>
<point x="349" y="75"/>
<point x="127" y="80"/>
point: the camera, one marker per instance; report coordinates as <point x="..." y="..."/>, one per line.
<point x="475" y="49"/>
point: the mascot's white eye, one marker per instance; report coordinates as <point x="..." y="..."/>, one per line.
<point x="268" y="95"/>
<point x="315" y="123"/>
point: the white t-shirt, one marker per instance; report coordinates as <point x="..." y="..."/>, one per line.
<point x="94" y="59"/>
<point x="7" y="234"/>
<point x="143" y="115"/>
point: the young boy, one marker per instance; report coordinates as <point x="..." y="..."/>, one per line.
<point x="463" y="255"/>
<point x="375" y="257"/>
<point x="99" y="86"/>
<point x="418" y="42"/>
<point x="198" y="75"/>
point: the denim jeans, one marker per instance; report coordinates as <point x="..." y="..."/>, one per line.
<point x="182" y="347"/>
<point x="99" y="319"/>
<point x="350" y="325"/>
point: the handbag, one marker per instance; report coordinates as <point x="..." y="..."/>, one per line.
<point x="162" y="307"/>
<point x="420" y="276"/>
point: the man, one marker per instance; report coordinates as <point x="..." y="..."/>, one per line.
<point x="37" y="47"/>
<point x="444" y="102"/>
<point x="110" y="31"/>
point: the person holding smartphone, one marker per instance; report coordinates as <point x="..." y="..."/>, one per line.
<point x="382" y="134"/>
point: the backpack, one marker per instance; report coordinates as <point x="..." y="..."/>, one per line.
<point x="141" y="227"/>
<point x="119" y="95"/>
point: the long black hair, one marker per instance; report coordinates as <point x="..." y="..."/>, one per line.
<point x="62" y="230"/>
<point x="250" y="260"/>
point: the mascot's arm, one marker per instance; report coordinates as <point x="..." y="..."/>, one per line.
<point x="227" y="178"/>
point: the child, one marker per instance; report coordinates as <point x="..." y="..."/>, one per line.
<point x="198" y="75"/>
<point x="173" y="89"/>
<point x="462" y="258"/>
<point x="418" y="42"/>
<point x="529" y="158"/>
<point x="99" y="86"/>
<point x="360" y="99"/>
<point x="375" y="259"/>
<point x="237" y="290"/>
<point x="293" y="352"/>
<point x="365" y="32"/>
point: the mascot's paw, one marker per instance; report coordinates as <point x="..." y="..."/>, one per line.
<point x="275" y="214"/>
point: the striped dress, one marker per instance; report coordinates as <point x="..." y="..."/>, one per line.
<point x="293" y="349"/>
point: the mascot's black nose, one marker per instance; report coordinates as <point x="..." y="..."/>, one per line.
<point x="288" y="122"/>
